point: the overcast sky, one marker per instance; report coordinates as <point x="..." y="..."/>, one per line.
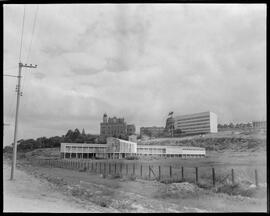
<point x="134" y="61"/>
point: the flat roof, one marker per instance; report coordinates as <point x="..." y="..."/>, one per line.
<point x="125" y="141"/>
<point x="166" y="146"/>
<point x="86" y="145"/>
<point x="192" y="115"/>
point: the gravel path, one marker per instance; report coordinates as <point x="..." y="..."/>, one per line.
<point x="29" y="194"/>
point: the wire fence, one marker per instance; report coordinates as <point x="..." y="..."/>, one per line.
<point x="204" y="176"/>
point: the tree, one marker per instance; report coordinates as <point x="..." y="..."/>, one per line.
<point x="83" y="132"/>
<point x="26" y="145"/>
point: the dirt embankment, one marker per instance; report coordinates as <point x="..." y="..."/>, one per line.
<point x="115" y="194"/>
<point x="29" y="194"/>
<point x="234" y="143"/>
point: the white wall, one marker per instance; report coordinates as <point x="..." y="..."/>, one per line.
<point x="213" y="123"/>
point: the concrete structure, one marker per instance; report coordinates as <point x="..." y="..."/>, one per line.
<point x="169" y="128"/>
<point x="117" y="149"/>
<point x="115" y="127"/>
<point x="259" y="124"/>
<point x="82" y="150"/>
<point x="199" y="123"/>
<point x="152" y="131"/>
<point x="170" y="151"/>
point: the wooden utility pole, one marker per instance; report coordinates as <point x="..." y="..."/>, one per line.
<point x="19" y="93"/>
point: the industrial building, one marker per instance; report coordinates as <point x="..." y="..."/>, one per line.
<point x="117" y="149"/>
<point x="192" y="124"/>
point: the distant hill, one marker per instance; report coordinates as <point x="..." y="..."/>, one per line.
<point x="220" y="141"/>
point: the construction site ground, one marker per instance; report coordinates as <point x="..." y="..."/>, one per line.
<point x="46" y="189"/>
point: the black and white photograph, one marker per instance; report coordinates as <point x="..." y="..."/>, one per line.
<point x="134" y="108"/>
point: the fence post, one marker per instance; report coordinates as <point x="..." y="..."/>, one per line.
<point x="120" y="169"/>
<point x="100" y="167"/>
<point x="109" y="168"/>
<point x="141" y="170"/>
<point x="105" y="167"/>
<point x="134" y="169"/>
<point x="170" y="171"/>
<point x="256" y="178"/>
<point x="182" y="173"/>
<point x="213" y="175"/>
<point x="115" y="168"/>
<point x="149" y="172"/>
<point x="197" y="177"/>
<point x="126" y="169"/>
<point x="232" y="176"/>
<point x="159" y="172"/>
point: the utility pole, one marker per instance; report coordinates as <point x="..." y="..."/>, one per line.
<point x="19" y="93"/>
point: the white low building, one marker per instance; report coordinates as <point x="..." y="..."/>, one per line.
<point x="117" y="148"/>
<point x="170" y="151"/>
<point x="83" y="150"/>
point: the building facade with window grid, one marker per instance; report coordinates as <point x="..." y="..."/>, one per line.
<point x="198" y="123"/>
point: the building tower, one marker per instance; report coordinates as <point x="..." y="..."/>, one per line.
<point x="105" y="120"/>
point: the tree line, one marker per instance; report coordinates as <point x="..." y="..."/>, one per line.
<point x="238" y="125"/>
<point x="53" y="142"/>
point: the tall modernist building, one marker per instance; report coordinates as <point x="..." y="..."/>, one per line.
<point x="198" y="123"/>
<point x="115" y="127"/>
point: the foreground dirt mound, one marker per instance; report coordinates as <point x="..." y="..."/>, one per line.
<point x="244" y="189"/>
<point x="178" y="190"/>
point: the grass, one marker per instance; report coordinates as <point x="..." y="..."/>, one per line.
<point x="237" y="189"/>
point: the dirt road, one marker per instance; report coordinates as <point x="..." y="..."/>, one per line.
<point x="29" y="194"/>
<point x="64" y="190"/>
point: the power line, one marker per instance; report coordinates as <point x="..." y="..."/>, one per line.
<point x="33" y="30"/>
<point x="22" y="34"/>
<point x="10" y="75"/>
<point x="9" y="68"/>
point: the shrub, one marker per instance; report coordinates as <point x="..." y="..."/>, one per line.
<point x="132" y="158"/>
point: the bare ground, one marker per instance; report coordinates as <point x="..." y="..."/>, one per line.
<point x="93" y="192"/>
<point x="29" y="194"/>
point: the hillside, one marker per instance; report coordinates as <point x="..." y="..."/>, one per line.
<point x="220" y="141"/>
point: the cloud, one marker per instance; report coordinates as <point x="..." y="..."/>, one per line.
<point x="138" y="62"/>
